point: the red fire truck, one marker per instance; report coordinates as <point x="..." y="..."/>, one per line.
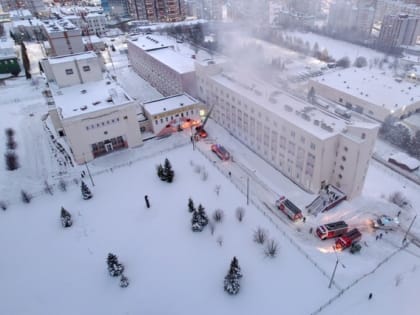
<point x="345" y="241"/>
<point x="289" y="208"/>
<point x="331" y="230"/>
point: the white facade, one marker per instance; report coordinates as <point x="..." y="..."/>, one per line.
<point x="311" y="148"/>
<point x="370" y="92"/>
<point x="167" y="65"/>
<point x="93" y="23"/>
<point x="64" y="37"/>
<point x="96" y="118"/>
<point x="73" y="69"/>
<point x="179" y="110"/>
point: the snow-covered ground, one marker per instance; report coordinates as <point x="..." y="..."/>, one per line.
<point x="50" y="270"/>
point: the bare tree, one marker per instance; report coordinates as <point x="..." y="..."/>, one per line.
<point x="48" y="189"/>
<point x="399" y="199"/>
<point x="11" y="161"/>
<point x="240" y="213"/>
<point x="219" y="240"/>
<point x="62" y="185"/>
<point x="217" y="189"/>
<point x="218" y="215"/>
<point x="271" y="249"/>
<point x="260" y="235"/>
<point x="26" y="197"/>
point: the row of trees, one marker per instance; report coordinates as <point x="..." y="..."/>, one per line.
<point x="400" y="135"/>
<point x="10" y="155"/>
<point x="116" y="269"/>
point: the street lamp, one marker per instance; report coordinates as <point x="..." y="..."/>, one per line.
<point x="408" y="230"/>
<point x="335" y="268"/>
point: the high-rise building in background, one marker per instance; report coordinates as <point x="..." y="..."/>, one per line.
<point x="206" y="9"/>
<point x="34" y="6"/>
<point x="391" y="7"/>
<point x="158" y="10"/>
<point x="397" y="30"/>
<point x="352" y="18"/>
<point x="250" y="11"/>
<point x="116" y="8"/>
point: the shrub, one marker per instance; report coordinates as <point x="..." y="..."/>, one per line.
<point x="240" y="213"/>
<point x="271" y="249"/>
<point x="260" y="235"/>
<point x="11" y="161"/>
<point x="26" y="197"/>
<point x="218" y="215"/>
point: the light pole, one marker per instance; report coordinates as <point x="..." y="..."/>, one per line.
<point x="408" y="230"/>
<point x="335" y="268"/>
<point x="87" y="168"/>
<point x="247" y="190"/>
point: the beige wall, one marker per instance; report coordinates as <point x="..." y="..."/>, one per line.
<point x="80" y="138"/>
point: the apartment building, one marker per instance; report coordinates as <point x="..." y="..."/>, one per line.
<point x="310" y="147"/>
<point x="158" y="10"/>
<point x="90" y="23"/>
<point x="64" y="37"/>
<point x="397" y="30"/>
<point x="34" y="6"/>
<point x="371" y="92"/>
<point x="167" y="65"/>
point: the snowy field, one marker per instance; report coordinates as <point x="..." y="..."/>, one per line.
<point x="171" y="269"/>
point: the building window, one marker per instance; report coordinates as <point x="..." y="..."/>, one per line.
<point x="69" y="71"/>
<point x="363" y="135"/>
<point x="343" y="158"/>
<point x="86" y="68"/>
<point x="342" y="167"/>
<point x="346" y="149"/>
<point x="313" y="146"/>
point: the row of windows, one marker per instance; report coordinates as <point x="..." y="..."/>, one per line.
<point x="70" y="71"/>
<point x="172" y="117"/>
<point x="103" y="123"/>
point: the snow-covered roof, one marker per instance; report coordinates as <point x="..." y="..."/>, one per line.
<point x="177" y="56"/>
<point x="88" y="97"/>
<point x="62" y="25"/>
<point x="7" y="47"/>
<point x="404" y="159"/>
<point x="27" y="23"/>
<point x="373" y="86"/>
<point x="92" y="39"/>
<point x="20" y="14"/>
<point x="68" y="58"/>
<point x="169" y="103"/>
<point x="310" y="118"/>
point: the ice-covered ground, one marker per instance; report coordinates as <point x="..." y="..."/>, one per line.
<point x="49" y="270"/>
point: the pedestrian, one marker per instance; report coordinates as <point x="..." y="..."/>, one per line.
<point x="146" y="199"/>
<point x="380" y="236"/>
<point x="377" y="237"/>
<point x="230" y="174"/>
<point x="304" y="219"/>
<point x="398" y="214"/>
<point x="370" y="296"/>
<point x="81" y="174"/>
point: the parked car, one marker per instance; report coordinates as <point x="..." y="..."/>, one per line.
<point x="201" y="132"/>
<point x="385" y="222"/>
<point x="220" y="151"/>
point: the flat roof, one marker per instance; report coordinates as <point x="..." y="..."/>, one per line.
<point x="169" y="103"/>
<point x="62" y="25"/>
<point x="302" y="114"/>
<point x="89" y="97"/>
<point x="178" y="56"/>
<point x="67" y="58"/>
<point x="374" y="86"/>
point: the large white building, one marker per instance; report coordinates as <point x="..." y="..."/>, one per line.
<point x="311" y="147"/>
<point x="371" y="92"/>
<point x="167" y="65"/>
<point x="93" y="113"/>
<point x="64" y="37"/>
<point x="90" y="23"/>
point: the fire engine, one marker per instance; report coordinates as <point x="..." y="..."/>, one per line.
<point x="331" y="230"/>
<point x="348" y="239"/>
<point x="289" y="208"/>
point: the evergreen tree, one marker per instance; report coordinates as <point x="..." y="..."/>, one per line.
<point x="115" y="268"/>
<point x="124" y="281"/>
<point x="86" y="193"/>
<point x="168" y="172"/>
<point x="191" y="207"/>
<point x="204" y="220"/>
<point x="160" y="173"/>
<point x="196" y="225"/>
<point x="66" y="220"/>
<point x="231" y="283"/>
